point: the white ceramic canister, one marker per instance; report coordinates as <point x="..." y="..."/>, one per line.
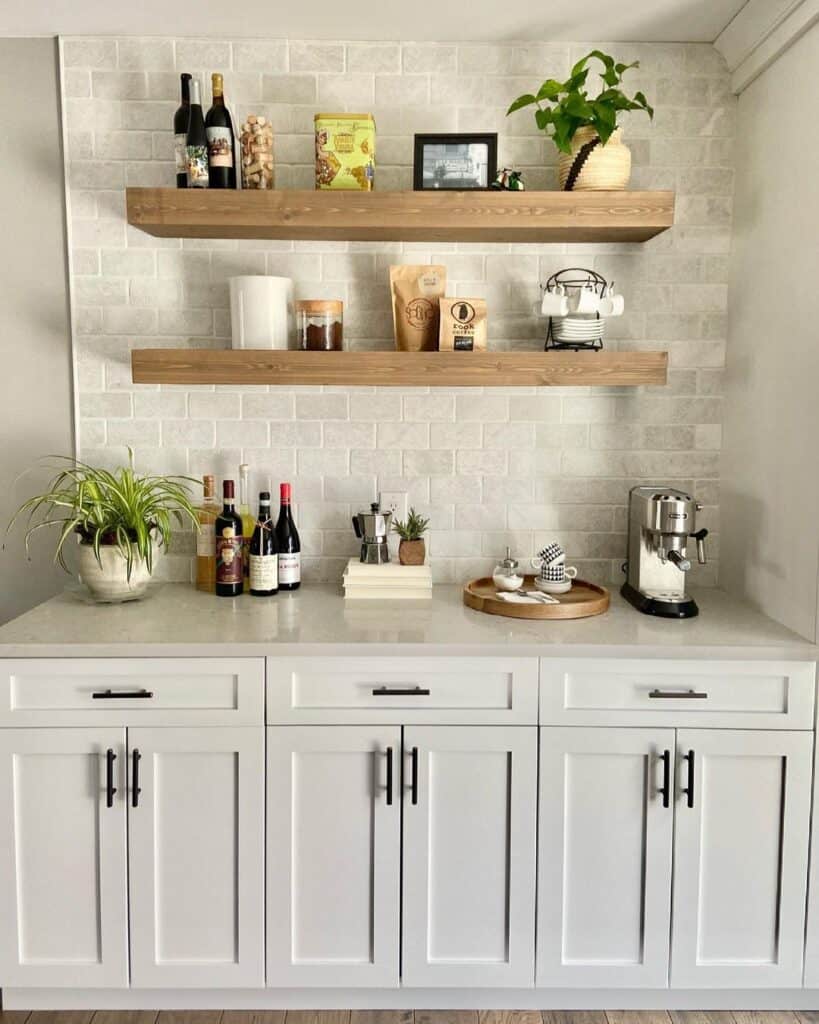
<point x="261" y="311"/>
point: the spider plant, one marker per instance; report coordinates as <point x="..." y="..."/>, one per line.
<point x="122" y="509"/>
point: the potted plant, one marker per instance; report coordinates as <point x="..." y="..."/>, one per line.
<point x="412" y="550"/>
<point x="120" y="518"/>
<point x="584" y="129"/>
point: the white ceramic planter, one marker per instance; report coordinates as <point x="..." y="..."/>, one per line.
<point x="109" y="582"/>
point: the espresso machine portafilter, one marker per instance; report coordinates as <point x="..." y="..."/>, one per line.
<point x="661" y="523"/>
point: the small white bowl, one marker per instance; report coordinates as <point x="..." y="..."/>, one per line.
<point x="552" y="588"/>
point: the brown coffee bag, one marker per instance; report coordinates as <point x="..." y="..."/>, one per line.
<point x="416" y="292"/>
<point x="463" y="325"/>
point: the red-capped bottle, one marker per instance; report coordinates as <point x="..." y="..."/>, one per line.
<point x="229" y="561"/>
<point x="288" y="543"/>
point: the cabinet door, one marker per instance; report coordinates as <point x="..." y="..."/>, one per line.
<point x="333" y="855"/>
<point x="469" y="855"/>
<point x="63" y="866"/>
<point x="196" y="844"/>
<point x="604" y="858"/>
<point x="740" y="858"/>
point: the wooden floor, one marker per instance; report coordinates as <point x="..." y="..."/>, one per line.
<point x="408" y="1017"/>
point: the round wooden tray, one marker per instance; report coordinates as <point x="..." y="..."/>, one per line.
<point x="583" y="600"/>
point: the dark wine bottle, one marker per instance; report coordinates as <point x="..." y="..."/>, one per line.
<point x="289" y="545"/>
<point x="196" y="143"/>
<point x="228" y="527"/>
<point x="180" y="132"/>
<point x="264" y="555"/>
<point x="219" y="128"/>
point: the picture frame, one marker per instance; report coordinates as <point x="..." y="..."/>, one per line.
<point x="461" y="161"/>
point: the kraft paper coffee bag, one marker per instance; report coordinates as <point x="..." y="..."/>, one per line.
<point x="463" y="325"/>
<point x="416" y="294"/>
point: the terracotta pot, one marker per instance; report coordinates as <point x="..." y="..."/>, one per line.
<point x="607" y="168"/>
<point x="412" y="552"/>
<point x="109" y="582"/>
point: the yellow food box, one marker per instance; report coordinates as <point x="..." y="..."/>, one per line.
<point x="345" y="151"/>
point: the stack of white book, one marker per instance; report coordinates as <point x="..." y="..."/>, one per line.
<point x="388" y="582"/>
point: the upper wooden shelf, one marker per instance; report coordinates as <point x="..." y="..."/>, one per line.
<point x="402" y="216"/>
<point x="397" y="369"/>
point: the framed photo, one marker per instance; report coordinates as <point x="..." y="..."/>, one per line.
<point x="460" y="162"/>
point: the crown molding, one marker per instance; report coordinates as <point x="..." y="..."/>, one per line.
<point x="760" y="33"/>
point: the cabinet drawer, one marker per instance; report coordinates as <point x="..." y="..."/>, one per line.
<point x="722" y="694"/>
<point x="131" y="691"/>
<point x="437" y="691"/>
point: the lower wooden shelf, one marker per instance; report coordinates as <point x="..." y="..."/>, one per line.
<point x="397" y="369"/>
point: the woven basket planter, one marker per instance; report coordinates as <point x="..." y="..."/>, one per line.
<point x="604" y="168"/>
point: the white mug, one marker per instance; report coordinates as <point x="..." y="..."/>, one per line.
<point x="554" y="304"/>
<point x="588" y="301"/>
<point x="612" y="306"/>
<point x="556" y="572"/>
<point x="261" y="311"/>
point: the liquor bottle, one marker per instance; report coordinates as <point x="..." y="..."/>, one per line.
<point x="219" y="128"/>
<point x="264" y="557"/>
<point x="206" y="538"/>
<point x="196" y="142"/>
<point x="248" y="522"/>
<point x="289" y="545"/>
<point x="180" y="132"/>
<point x="228" y="546"/>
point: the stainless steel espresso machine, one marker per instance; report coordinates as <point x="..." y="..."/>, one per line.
<point x="372" y="529"/>
<point x="660" y="522"/>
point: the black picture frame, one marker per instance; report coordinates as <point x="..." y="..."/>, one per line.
<point x="457" y="182"/>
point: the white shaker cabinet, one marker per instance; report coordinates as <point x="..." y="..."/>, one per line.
<point x="63" y="872"/>
<point x="604" y="883"/>
<point x="740" y="858"/>
<point x="196" y="844"/>
<point x="469" y="856"/>
<point x="333" y="855"/>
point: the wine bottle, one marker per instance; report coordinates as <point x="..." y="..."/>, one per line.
<point x="180" y="132"/>
<point x="264" y="557"/>
<point x="219" y="128"/>
<point x="289" y="545"/>
<point x="206" y="538"/>
<point x="196" y="142"/>
<point x="248" y="522"/>
<point x="228" y="546"/>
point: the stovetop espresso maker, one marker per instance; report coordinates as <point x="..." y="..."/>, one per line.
<point x="373" y="528"/>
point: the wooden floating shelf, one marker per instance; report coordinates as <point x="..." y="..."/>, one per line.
<point x="402" y="216"/>
<point x="398" y="369"/>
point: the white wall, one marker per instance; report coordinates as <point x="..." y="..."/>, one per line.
<point x="770" y="467"/>
<point x="35" y="383"/>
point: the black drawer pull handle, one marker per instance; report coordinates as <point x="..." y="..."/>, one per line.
<point x="678" y="694"/>
<point x="689" y="789"/>
<point x="400" y="691"/>
<point x="136" y="757"/>
<point x="110" y="789"/>
<point x="389" y="776"/>
<point x="665" y="789"/>
<point x="122" y="695"/>
<point x="414" y="776"/>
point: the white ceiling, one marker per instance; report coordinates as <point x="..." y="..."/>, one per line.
<point x="609" y="20"/>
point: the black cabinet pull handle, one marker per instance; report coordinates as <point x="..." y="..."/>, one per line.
<point x="122" y="695"/>
<point x="136" y="757"/>
<point x="689" y="789"/>
<point x="678" y="694"/>
<point x="400" y="691"/>
<point x="389" y="776"/>
<point x="414" y="776"/>
<point x="665" y="789"/>
<point x="110" y="789"/>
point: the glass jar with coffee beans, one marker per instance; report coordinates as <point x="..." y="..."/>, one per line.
<point x="319" y="325"/>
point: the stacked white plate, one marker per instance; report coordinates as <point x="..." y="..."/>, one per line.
<point x="578" y="329"/>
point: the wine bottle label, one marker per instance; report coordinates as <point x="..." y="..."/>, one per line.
<point x="290" y="567"/>
<point x="264" y="572"/>
<point x="180" y="153"/>
<point x="228" y="557"/>
<point x="220" y="146"/>
<point x="206" y="540"/>
<point x="197" y="166"/>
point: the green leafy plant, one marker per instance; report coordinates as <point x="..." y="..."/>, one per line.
<point x="122" y="509"/>
<point x="563" y="107"/>
<point x="413" y="529"/>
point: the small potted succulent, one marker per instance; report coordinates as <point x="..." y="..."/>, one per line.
<point x="120" y="518"/>
<point x="412" y="550"/>
<point x="584" y="128"/>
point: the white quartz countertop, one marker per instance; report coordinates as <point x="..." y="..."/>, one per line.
<point x="178" y="621"/>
